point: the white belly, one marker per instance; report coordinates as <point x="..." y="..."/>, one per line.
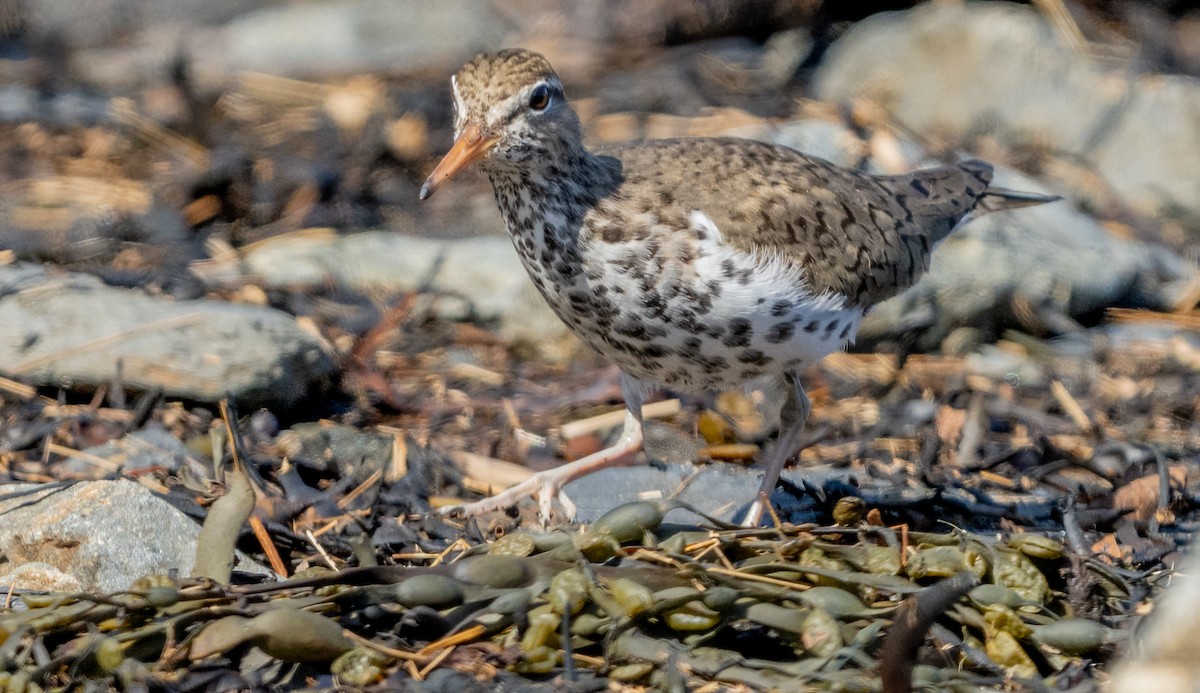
<point x="700" y="315"/>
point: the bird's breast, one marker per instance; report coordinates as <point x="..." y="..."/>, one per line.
<point x="679" y="306"/>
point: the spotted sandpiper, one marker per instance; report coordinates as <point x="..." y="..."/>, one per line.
<point x="697" y="264"/>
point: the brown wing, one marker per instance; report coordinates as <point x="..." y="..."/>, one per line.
<point x="866" y="237"/>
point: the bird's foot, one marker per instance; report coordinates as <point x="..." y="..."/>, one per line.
<point x="546" y="486"/>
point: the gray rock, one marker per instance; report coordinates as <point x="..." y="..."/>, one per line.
<point x="999" y="364"/>
<point x="723" y="491"/>
<point x="480" y="278"/>
<point x="73" y="330"/>
<point x="315" y="40"/>
<point x="152" y="446"/>
<point x="1162" y="336"/>
<point x="18" y="103"/>
<point x="667" y="443"/>
<point x="720" y="490"/>
<point x="349" y="451"/>
<point x="828" y="139"/>
<point x="91" y="22"/>
<point x="951" y="69"/>
<point x="1162" y="655"/>
<point x="103" y="534"/>
<point x="39" y="577"/>
<point x="352" y="36"/>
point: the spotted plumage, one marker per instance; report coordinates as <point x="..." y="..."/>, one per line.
<point x="700" y="264"/>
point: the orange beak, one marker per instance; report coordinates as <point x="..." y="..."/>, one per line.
<point x="471" y="146"/>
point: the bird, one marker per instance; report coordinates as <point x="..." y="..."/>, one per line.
<point x="694" y="264"/>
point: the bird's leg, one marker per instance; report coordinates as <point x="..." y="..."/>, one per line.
<point x="791" y="425"/>
<point x="547" y="485"/>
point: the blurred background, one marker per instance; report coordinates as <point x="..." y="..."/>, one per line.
<point x="151" y="144"/>
<point x="217" y="201"/>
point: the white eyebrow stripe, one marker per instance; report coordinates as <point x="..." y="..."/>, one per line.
<point x="460" y="108"/>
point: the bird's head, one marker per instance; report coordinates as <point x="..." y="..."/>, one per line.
<point x="509" y="112"/>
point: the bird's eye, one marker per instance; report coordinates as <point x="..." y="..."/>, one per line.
<point x="539" y="98"/>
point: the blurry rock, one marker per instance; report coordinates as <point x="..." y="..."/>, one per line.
<point x="39" y="576"/>
<point x="954" y="69"/>
<point x="20" y="103"/>
<point x="149" y="447"/>
<point x="662" y="22"/>
<point x="998" y="364"/>
<point x="1162" y="655"/>
<point x="103" y="534"/>
<point x="92" y="22"/>
<point x="72" y="330"/>
<point x="336" y="448"/>
<point x="665" y="86"/>
<point x="403" y="37"/>
<point x="827" y="139"/>
<point x="697" y="78"/>
<point x="311" y="39"/>
<point x="351" y="36"/>
<point x="1149" y="337"/>
<point x="480" y="278"/>
<point x="724" y="490"/>
<point x="720" y="490"/>
<point x="1186" y="41"/>
<point x="670" y="444"/>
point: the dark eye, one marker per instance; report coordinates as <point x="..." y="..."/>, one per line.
<point x="539" y="98"/>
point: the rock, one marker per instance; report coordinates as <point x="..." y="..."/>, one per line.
<point x="721" y="490"/>
<point x="828" y="139"/>
<point x="479" y="278"/>
<point x="718" y="489"/>
<point x="953" y="69"/>
<point x="151" y="446"/>
<point x="669" y="444"/>
<point x="1162" y="655"/>
<point x="102" y="534"/>
<point x="1159" y="337"/>
<point x="39" y="577"/>
<point x="93" y="22"/>
<point x="353" y="36"/>
<point x="72" y="330"/>
<point x="20" y="103"/>
<point x="337" y="448"/>
<point x="316" y="40"/>
<point x="998" y="364"/>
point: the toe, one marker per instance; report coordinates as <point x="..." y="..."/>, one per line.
<point x="567" y="504"/>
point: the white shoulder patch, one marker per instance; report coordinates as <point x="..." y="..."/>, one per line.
<point x="773" y="271"/>
<point x="460" y="108"/>
<point x="704" y="224"/>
